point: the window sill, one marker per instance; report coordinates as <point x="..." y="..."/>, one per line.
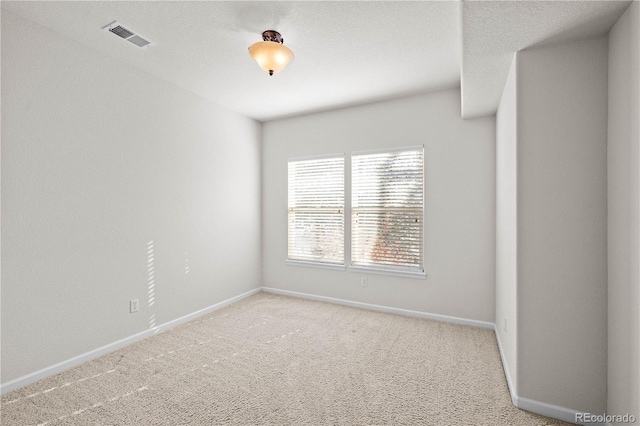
<point x="393" y="272"/>
<point x="320" y="265"/>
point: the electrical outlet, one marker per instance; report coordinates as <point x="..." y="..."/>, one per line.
<point x="364" y="282"/>
<point x="134" y="305"/>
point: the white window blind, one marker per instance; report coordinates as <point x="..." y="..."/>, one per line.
<point x="387" y="209"/>
<point x="316" y="210"/>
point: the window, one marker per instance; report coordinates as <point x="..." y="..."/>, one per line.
<point x="316" y="210"/>
<point x="387" y="210"/>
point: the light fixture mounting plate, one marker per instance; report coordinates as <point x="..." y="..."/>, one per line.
<point x="271" y="35"/>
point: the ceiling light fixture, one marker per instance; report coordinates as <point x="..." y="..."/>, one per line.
<point x="271" y="53"/>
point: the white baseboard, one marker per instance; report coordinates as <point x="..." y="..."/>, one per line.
<point x="88" y="356"/>
<point x="550" y="410"/>
<point x="405" y="312"/>
<point x="505" y="367"/>
<point x="538" y="407"/>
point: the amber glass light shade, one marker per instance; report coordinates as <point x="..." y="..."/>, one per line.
<point x="272" y="56"/>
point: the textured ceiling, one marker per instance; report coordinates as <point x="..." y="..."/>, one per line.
<point x="347" y="53"/>
<point x="494" y="30"/>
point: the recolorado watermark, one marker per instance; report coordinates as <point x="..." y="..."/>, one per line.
<point x="584" y="418"/>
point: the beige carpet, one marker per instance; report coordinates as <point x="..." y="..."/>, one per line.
<point x="283" y="361"/>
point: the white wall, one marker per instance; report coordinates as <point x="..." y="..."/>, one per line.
<point x="98" y="159"/>
<point x="562" y="220"/>
<point x="624" y="215"/>
<point x="459" y="203"/>
<point x="506" y="227"/>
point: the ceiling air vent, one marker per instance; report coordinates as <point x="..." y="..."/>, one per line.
<point x="127" y="34"/>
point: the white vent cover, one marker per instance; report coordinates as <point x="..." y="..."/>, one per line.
<point x="116" y="28"/>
